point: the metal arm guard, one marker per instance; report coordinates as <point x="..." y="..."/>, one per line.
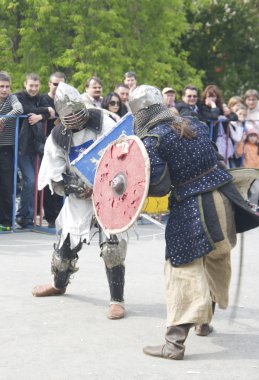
<point x="63" y="263"/>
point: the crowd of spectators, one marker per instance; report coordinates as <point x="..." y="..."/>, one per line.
<point x="233" y="127"/>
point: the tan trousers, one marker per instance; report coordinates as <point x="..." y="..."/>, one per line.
<point x="191" y="288"/>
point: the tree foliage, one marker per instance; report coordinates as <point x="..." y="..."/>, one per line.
<point x="96" y="37"/>
<point x="166" y="42"/>
<point x="223" y="41"/>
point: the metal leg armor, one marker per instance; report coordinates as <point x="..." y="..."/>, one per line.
<point x="63" y="263"/>
<point x="113" y="253"/>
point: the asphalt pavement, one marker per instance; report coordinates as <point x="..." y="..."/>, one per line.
<point x="70" y="338"/>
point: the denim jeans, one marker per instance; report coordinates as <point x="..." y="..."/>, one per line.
<point x="26" y="207"/>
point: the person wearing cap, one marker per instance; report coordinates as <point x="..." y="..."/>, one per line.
<point x="206" y="211"/>
<point x="169" y="96"/>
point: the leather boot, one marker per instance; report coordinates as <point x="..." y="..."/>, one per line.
<point x="205" y="329"/>
<point x="174" y="347"/>
<point x="47" y="291"/>
<point x="116" y="311"/>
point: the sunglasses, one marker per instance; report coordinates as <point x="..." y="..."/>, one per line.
<point x="192" y="96"/>
<point x="114" y="103"/>
<point x="55" y="84"/>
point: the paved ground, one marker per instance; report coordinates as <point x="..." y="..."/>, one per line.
<point x="70" y="338"/>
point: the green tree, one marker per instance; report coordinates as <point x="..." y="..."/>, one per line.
<point x="223" y="41"/>
<point x="96" y="37"/>
<point x="112" y="37"/>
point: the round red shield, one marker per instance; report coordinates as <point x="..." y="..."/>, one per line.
<point x="121" y="184"/>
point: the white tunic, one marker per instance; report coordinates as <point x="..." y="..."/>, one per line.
<point x="76" y="214"/>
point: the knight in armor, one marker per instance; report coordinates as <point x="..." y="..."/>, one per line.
<point x="206" y="212"/>
<point x="78" y="128"/>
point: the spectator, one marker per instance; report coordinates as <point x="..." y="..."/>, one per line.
<point x="123" y="91"/>
<point x="92" y="96"/>
<point x="169" y="95"/>
<point x="10" y="106"/>
<point x="113" y="104"/>
<point x="189" y="105"/>
<point x="236" y="133"/>
<point x="249" y="148"/>
<point x="52" y="203"/>
<point x="217" y="114"/>
<point x="31" y="142"/>
<point x="234" y="101"/>
<point x="211" y="104"/>
<point x="48" y="98"/>
<point x="213" y="109"/>
<point x="130" y="79"/>
<point x="251" y="100"/>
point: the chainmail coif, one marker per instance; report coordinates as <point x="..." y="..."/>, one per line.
<point x="147" y="118"/>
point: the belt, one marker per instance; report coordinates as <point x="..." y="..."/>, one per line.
<point x="197" y="177"/>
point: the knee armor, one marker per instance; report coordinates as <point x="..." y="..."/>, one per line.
<point x="63" y="263"/>
<point x="113" y="252"/>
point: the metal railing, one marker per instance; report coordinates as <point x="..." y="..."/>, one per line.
<point x="15" y="175"/>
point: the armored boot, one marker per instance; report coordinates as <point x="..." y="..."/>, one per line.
<point x="174" y="347"/>
<point x="115" y="278"/>
<point x="205" y="328"/>
<point x="113" y="253"/>
<point x="63" y="265"/>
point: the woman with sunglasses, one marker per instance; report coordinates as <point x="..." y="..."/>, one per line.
<point x="112" y="103"/>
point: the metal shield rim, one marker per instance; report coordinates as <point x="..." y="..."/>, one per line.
<point x="145" y="193"/>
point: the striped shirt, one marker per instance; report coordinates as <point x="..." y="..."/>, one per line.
<point x="9" y="106"/>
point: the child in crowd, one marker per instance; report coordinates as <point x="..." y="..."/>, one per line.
<point x="234" y="102"/>
<point x="251" y="100"/>
<point x="236" y="133"/>
<point x="249" y="148"/>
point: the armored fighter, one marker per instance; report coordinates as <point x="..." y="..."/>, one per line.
<point x="206" y="212"/>
<point x="79" y="127"/>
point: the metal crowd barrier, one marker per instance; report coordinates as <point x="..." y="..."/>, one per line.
<point x="36" y="227"/>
